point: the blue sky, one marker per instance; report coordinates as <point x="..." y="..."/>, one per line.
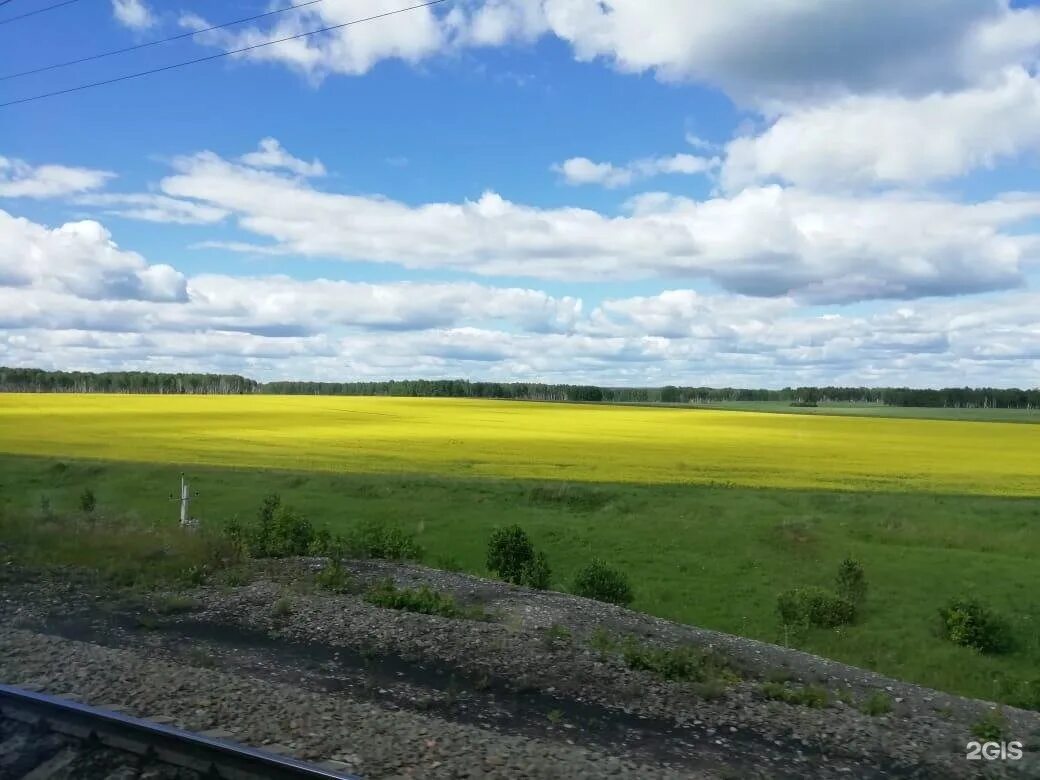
<point x="756" y="194"/>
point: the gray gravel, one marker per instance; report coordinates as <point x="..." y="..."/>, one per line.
<point x="367" y="738"/>
<point x="500" y="698"/>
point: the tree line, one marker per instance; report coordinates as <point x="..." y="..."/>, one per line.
<point x="33" y="380"/>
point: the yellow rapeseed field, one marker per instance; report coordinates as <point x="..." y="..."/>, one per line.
<point x="458" y="437"/>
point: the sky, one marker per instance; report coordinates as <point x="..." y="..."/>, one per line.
<point x="754" y="193"/>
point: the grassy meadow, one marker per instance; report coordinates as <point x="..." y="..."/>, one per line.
<point x="710" y="513"/>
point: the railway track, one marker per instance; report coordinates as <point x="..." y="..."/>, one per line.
<point x="45" y="737"/>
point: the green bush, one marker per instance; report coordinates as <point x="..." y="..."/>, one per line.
<point x="967" y="622"/>
<point x="537" y="573"/>
<point x="375" y="539"/>
<point x="851" y="582"/>
<point x="512" y="557"/>
<point x="812" y="606"/>
<point x="510" y="554"/>
<point x="603" y="583"/>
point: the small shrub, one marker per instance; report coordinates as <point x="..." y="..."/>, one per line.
<point x="321" y="543"/>
<point x="807" y="696"/>
<point x="423" y="600"/>
<point x="555" y="717"/>
<point x="537" y="573"/>
<point x="510" y="553"/>
<point x="87" y="501"/>
<point x="814" y="606"/>
<point x="375" y="539"/>
<point x="851" y="582"/>
<point x="877" y="703"/>
<point x="990" y="727"/>
<point x="282" y="607"/>
<point x="603" y="583"/>
<point x="268" y="507"/>
<point x="45" y="507"/>
<point x="969" y="623"/>
<point x="334" y="578"/>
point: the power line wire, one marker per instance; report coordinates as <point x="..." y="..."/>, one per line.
<point x="155" y="42"/>
<point x="139" y="74"/>
<point x="10" y="19"/>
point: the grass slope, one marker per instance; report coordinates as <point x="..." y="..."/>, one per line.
<point x="463" y="438"/>
<point x="711" y="556"/>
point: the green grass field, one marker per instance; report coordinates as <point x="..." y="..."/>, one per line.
<point x="931" y="509"/>
<point x="878" y="410"/>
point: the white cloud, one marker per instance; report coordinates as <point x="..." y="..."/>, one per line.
<point x="151" y="207"/>
<point x="761" y="241"/>
<point x="19" y="179"/>
<point x="756" y="51"/>
<point x="80" y="259"/>
<point x="134" y="14"/>
<point x="271" y="154"/>
<point x="350" y="50"/>
<point x="581" y="170"/>
<point x="867" y="140"/>
<point x="84" y="303"/>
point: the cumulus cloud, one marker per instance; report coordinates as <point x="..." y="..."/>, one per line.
<point x="764" y="241"/>
<point x="19" y="179"/>
<point x="582" y="170"/>
<point x="80" y="259"/>
<point x="271" y="154"/>
<point x="134" y="14"/>
<point x="756" y="51"/>
<point x="82" y="302"/>
<point x="892" y="140"/>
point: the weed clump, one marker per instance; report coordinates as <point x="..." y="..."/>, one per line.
<point x="990" y="727"/>
<point x="423" y="600"/>
<point x="807" y="696"/>
<point x="813" y="606"/>
<point x="682" y="664"/>
<point x="603" y="583"/>
<point x="969" y="623"/>
<point x="877" y="703"/>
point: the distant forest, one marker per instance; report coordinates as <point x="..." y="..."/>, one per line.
<point x="32" y="380"/>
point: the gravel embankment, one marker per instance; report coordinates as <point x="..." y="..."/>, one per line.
<point x="505" y="696"/>
<point x="366" y="737"/>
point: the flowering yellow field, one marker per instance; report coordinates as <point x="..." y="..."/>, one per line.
<point x="460" y="437"/>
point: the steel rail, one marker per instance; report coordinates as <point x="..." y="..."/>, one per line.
<point x="206" y="755"/>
